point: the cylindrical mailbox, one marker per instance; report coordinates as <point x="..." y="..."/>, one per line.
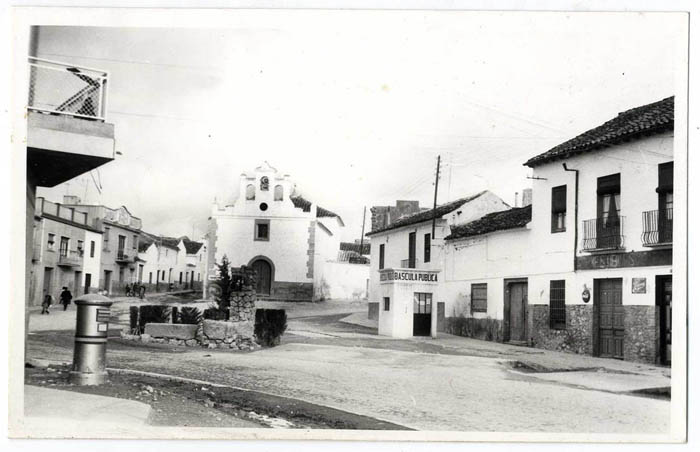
<point x="90" y="348"/>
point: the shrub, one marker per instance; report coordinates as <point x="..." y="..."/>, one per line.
<point x="173" y="314"/>
<point x="134" y="320"/>
<point x="190" y="316"/>
<point x="215" y="314"/>
<point x="225" y="284"/>
<point x="270" y="324"/>
<point x="485" y="329"/>
<point x="153" y="314"/>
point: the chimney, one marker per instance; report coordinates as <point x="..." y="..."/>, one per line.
<point x="527" y="197"/>
<point x="516" y="200"/>
<point x="70" y="200"/>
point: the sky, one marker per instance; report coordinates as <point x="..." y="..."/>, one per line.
<point x="354" y="106"/>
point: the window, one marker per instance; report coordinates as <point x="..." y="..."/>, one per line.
<point x="381" y="256"/>
<point x="150" y="277"/>
<point x="92" y="248"/>
<point x="279" y="193"/>
<point x="557" y="305"/>
<point x="479" y="302"/>
<point x="665" y="191"/>
<point x="426" y="248"/>
<point x="559" y="208"/>
<point x="106" y="235"/>
<point x="51" y="241"/>
<point x="422" y="303"/>
<point x="180" y="282"/>
<point x="162" y="275"/>
<point x="250" y="192"/>
<point x="262" y="230"/>
<point x="80" y="247"/>
<point x="609" y="198"/>
<point x="387" y="303"/>
<point x="135" y="242"/>
<point x="63" y="250"/>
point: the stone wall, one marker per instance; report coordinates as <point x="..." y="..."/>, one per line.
<point x="226" y="334"/>
<point x="486" y="329"/>
<point x="291" y="291"/>
<point x="641" y="333"/>
<point x="576" y="338"/>
<point x="242" y="306"/>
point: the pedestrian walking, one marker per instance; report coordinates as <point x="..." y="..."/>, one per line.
<point x="66" y="298"/>
<point x="127" y="289"/>
<point x="142" y="291"/>
<point x="46" y="304"/>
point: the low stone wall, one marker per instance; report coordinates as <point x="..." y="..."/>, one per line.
<point x="373" y="311"/>
<point x="575" y="338"/>
<point x="223" y="334"/>
<point x="487" y="329"/>
<point x="242" y="306"/>
<point x="291" y="291"/>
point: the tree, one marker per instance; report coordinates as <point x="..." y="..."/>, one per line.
<point x="224" y="281"/>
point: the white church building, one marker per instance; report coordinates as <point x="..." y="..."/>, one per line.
<point x="271" y="228"/>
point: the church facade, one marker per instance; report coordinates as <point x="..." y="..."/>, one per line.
<point x="277" y="232"/>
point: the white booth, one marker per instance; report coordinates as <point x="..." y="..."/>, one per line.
<point x="408" y="304"/>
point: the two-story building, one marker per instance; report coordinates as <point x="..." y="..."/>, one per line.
<point x="159" y="256"/>
<point x="274" y="230"/>
<point x="66" y="252"/>
<point x="120" y="242"/>
<point x="407" y="259"/>
<point x="587" y="268"/>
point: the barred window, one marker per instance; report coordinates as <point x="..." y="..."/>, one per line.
<point x="387" y="303"/>
<point x="557" y="305"/>
<point x="559" y="209"/>
<point x="479" y="302"/>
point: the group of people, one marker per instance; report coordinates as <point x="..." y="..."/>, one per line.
<point x="135" y="290"/>
<point x="65" y="299"/>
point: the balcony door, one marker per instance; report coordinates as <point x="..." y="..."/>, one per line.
<point x="412" y="250"/>
<point x="121" y="246"/>
<point x="64" y="247"/>
<point x="608" y="222"/>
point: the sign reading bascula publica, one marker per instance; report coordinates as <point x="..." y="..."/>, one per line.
<point x="417" y="276"/>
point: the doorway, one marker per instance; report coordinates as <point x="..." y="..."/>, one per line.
<point x="76" y="282"/>
<point x="48" y="276"/>
<point x="515" y="307"/>
<point x="108" y="280"/>
<point x="422" y="309"/>
<point x="88" y="282"/>
<point x="664" y="302"/>
<point x="611" y="317"/>
<point x="263" y="269"/>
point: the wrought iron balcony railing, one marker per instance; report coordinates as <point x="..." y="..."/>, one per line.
<point x="408" y="263"/>
<point x="603" y="234"/>
<point x="70" y="258"/>
<point x="658" y="227"/>
<point x="122" y="256"/>
<point x="66" y="89"/>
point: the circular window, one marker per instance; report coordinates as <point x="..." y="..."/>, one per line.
<point x="263" y="206"/>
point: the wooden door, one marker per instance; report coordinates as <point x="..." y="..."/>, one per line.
<point x="264" y="275"/>
<point x="88" y="281"/>
<point x="611" y="318"/>
<point x="517" y="300"/>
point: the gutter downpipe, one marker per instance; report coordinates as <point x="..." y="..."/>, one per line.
<point x="575" y="213"/>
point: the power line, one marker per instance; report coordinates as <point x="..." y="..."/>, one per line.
<point x="147" y="115"/>
<point x="114" y="60"/>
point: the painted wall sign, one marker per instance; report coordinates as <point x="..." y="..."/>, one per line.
<point x="623" y="260"/>
<point x="420" y="277"/>
<point x="639" y="285"/>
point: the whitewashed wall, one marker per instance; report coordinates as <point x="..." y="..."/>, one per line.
<point x="92" y="264"/>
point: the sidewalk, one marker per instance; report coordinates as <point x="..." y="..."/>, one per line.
<point x="51" y="413"/>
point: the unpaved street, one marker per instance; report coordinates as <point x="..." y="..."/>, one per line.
<point x="427" y="385"/>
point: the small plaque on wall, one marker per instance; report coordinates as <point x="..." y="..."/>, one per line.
<point x="639" y="285"/>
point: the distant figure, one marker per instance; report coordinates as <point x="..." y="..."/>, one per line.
<point x="46" y="304"/>
<point x="142" y="291"/>
<point x="127" y="290"/>
<point x="66" y="297"/>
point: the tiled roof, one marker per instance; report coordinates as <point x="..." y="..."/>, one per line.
<point x="513" y="218"/>
<point x="426" y="215"/>
<point x="646" y="120"/>
<point x="350" y="246"/>
<point x="144" y="243"/>
<point x="305" y="205"/>
<point x="170" y="242"/>
<point x="191" y="246"/>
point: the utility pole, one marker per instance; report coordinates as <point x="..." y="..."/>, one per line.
<point x="437" y="177"/>
<point x="362" y="236"/>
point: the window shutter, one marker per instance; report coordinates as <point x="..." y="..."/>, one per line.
<point x="609" y="184"/>
<point x="665" y="178"/>
<point x="559" y="199"/>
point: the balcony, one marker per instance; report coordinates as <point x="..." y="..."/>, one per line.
<point x="657" y="228"/>
<point x="70" y="258"/>
<point x="66" y="130"/>
<point x="603" y="234"/>
<point x="408" y="263"/>
<point x="123" y="257"/>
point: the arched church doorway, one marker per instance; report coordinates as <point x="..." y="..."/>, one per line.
<point x="263" y="269"/>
